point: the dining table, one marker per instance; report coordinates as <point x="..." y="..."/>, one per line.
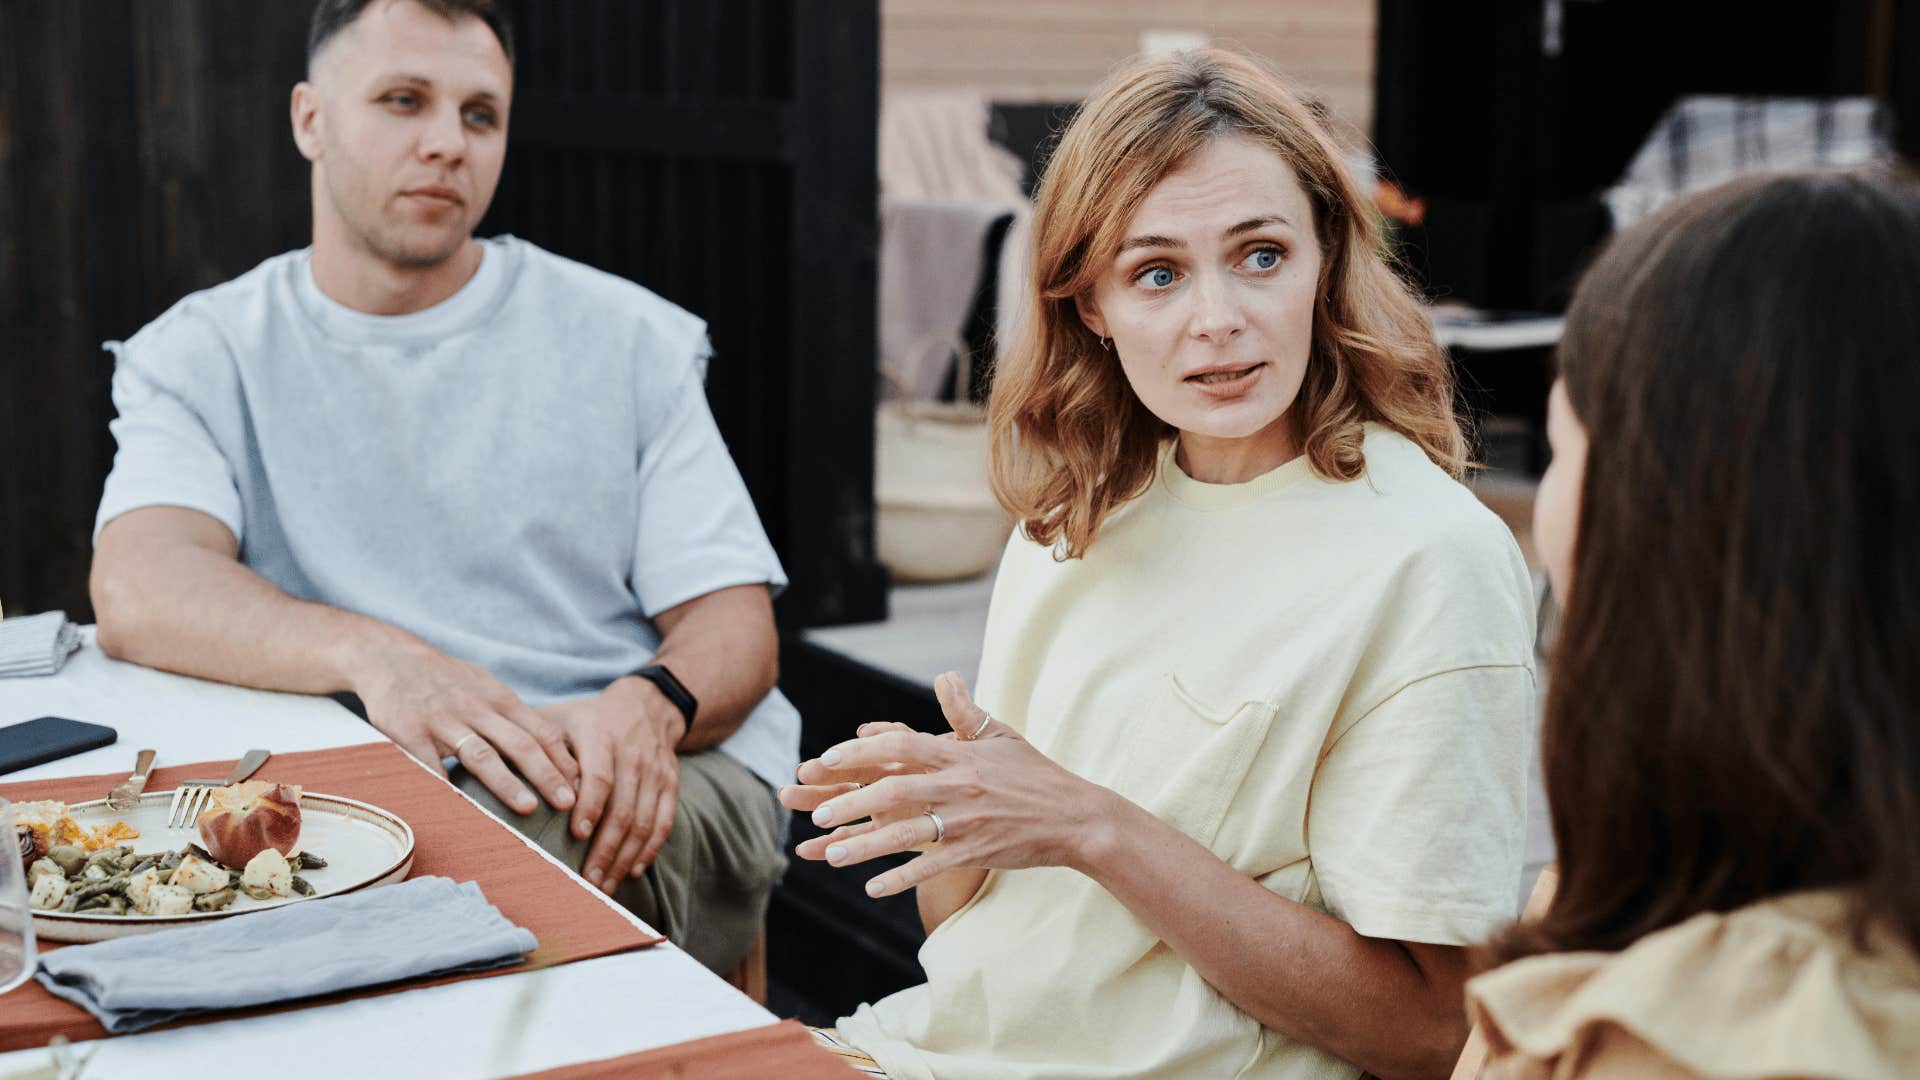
<point x="634" y="1007"/>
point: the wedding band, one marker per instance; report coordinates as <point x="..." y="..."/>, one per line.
<point x="985" y="719"/>
<point x="463" y="741"/>
<point x="939" y="827"/>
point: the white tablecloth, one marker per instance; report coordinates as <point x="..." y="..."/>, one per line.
<point x="490" y="1027"/>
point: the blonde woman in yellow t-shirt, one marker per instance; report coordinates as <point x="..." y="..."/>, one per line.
<point x="1247" y="767"/>
<point x="1731" y="744"/>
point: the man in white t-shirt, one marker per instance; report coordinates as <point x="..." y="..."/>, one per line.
<point x="469" y="482"/>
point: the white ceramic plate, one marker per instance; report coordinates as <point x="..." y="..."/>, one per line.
<point x="364" y="846"/>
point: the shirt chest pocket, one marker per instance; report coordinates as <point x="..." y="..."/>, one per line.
<point x="1187" y="756"/>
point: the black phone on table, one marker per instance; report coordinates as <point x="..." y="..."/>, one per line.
<point x="49" y="738"/>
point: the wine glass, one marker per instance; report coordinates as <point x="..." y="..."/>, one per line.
<point x="16" y="919"/>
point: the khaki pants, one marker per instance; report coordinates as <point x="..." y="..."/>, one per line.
<point x="707" y="889"/>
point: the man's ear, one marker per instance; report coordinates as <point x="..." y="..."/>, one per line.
<point x="1090" y="314"/>
<point x="304" y="111"/>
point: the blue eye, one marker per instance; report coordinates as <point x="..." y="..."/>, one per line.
<point x="1264" y="259"/>
<point x="1156" y="277"/>
<point x="480" y="118"/>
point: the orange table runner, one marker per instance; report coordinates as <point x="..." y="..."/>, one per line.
<point x="785" y="1050"/>
<point x="451" y="838"/>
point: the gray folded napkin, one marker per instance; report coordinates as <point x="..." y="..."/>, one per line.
<point x="427" y="926"/>
<point x="36" y="644"/>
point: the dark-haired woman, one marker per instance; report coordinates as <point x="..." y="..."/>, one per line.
<point x="1732" y="739"/>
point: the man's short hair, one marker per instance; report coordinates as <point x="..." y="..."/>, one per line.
<point x="332" y="16"/>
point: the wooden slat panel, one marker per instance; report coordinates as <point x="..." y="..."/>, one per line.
<point x="1167" y="13"/>
<point x="1352" y="105"/>
<point x="1057" y="50"/>
<point x="42" y="553"/>
<point x="958" y="49"/>
<point x="1277" y="21"/>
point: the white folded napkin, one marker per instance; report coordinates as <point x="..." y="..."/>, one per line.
<point x="36" y="644"/>
<point x="426" y="926"/>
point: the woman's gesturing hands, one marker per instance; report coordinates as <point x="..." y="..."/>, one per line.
<point x="979" y="796"/>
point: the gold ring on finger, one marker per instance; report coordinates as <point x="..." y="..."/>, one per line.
<point x="463" y="741"/>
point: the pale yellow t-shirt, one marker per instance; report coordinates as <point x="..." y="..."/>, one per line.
<point x="1328" y="684"/>
<point x="1771" y="991"/>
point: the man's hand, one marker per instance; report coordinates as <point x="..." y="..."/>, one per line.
<point x="434" y="705"/>
<point x="625" y="739"/>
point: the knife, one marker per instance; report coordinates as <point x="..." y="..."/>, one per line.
<point x="126" y="794"/>
<point x="249" y="764"/>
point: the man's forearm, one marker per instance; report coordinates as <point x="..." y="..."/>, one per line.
<point x="723" y="648"/>
<point x="169" y="592"/>
<point x="199" y="612"/>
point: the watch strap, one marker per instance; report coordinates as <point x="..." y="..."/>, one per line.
<point x="675" y="690"/>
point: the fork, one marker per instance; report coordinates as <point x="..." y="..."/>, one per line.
<point x="191" y="796"/>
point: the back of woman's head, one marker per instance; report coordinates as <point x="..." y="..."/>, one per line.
<point x="1734" y="706"/>
<point x="1071" y="440"/>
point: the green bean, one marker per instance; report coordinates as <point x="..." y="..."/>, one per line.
<point x="91" y="889"/>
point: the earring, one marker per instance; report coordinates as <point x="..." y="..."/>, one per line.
<point x="1105" y="346"/>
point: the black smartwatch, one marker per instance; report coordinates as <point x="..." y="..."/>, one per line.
<point x="675" y="690"/>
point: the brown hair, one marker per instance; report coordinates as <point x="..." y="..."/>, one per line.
<point x="332" y="16"/>
<point x="1071" y="441"/>
<point x="1734" y="704"/>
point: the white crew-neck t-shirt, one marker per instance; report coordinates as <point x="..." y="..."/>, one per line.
<point x="1330" y="685"/>
<point x="522" y="475"/>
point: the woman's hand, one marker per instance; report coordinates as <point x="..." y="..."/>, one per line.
<point x="1001" y="803"/>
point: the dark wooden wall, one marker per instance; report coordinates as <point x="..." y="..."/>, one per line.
<point x="143" y="154"/>
<point x="1903" y="77"/>
<point x="718" y="151"/>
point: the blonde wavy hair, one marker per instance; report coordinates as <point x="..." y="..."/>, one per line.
<point x="1071" y="441"/>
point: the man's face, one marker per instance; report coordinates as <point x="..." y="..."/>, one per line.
<point x="407" y="131"/>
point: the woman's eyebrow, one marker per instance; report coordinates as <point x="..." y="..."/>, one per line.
<point x="1247" y="226"/>
<point x="1256" y="224"/>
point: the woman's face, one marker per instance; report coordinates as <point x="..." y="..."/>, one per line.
<point x="1210" y="303"/>
<point x="1556" y="507"/>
